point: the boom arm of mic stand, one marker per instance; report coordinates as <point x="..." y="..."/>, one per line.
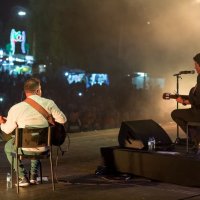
<point x="176" y="74"/>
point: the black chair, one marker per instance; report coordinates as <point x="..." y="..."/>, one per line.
<point x="32" y="138"/>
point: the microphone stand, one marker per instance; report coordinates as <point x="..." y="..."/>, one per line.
<point x="178" y="76"/>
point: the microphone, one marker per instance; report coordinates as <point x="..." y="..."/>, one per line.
<point x="187" y="72"/>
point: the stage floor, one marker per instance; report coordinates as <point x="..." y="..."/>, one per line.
<point x="77" y="180"/>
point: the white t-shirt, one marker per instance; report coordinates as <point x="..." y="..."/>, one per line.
<point x="24" y="115"/>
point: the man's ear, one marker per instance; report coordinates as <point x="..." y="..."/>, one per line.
<point x="36" y="91"/>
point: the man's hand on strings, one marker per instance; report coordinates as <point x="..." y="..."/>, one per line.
<point x="183" y="101"/>
<point x="180" y="100"/>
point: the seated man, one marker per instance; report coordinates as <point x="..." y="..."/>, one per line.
<point x="22" y="115"/>
<point x="182" y="116"/>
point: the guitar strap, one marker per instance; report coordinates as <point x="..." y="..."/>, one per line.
<point x="41" y="110"/>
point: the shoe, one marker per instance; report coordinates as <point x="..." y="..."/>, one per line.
<point x="23" y="182"/>
<point x="33" y="179"/>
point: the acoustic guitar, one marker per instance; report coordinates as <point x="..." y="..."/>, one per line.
<point x="168" y="96"/>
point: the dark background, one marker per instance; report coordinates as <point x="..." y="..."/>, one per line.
<point x="113" y="36"/>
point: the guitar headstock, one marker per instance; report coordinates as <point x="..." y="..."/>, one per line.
<point x="166" y="96"/>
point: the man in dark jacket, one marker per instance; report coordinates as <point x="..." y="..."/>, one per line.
<point x="182" y="116"/>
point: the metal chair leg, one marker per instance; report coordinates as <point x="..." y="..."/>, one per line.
<point x="17" y="174"/>
<point x="52" y="172"/>
<point x="187" y="135"/>
<point x="11" y="172"/>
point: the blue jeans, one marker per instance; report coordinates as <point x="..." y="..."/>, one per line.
<point x="9" y="148"/>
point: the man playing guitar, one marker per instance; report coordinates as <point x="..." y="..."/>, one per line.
<point x="24" y="115"/>
<point x="182" y="116"/>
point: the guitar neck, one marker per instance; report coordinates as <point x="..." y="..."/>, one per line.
<point x="174" y="96"/>
<point x="182" y="96"/>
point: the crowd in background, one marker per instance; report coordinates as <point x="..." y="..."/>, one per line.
<point x="87" y="109"/>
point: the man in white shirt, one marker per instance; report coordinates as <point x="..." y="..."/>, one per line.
<point x="22" y="115"/>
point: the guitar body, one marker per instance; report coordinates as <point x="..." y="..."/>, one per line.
<point x="59" y="134"/>
<point x="168" y="96"/>
<point x="5" y="137"/>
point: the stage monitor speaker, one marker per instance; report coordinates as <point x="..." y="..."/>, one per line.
<point x="135" y="134"/>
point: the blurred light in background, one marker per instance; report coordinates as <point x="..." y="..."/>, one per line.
<point x="21" y="13"/>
